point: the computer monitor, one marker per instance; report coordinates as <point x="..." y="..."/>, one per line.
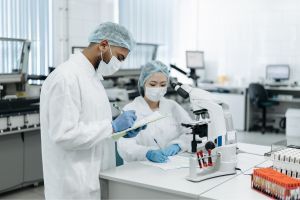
<point x="278" y="72"/>
<point x="76" y="49"/>
<point x="195" y="59"/>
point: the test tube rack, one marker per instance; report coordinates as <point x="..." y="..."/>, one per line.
<point x="275" y="184"/>
<point x="224" y="163"/>
<point x="287" y="161"/>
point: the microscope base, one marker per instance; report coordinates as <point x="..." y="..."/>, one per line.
<point x="204" y="176"/>
<point x="224" y="164"/>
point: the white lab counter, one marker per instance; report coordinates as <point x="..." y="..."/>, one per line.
<point x="138" y="181"/>
<point x="238" y="187"/>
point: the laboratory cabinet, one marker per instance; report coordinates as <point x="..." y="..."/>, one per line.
<point x="21" y="160"/>
<point x="11" y="161"/>
<point x="237" y="105"/>
<point x="33" y="167"/>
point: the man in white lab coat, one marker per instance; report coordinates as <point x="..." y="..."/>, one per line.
<point x="76" y="119"/>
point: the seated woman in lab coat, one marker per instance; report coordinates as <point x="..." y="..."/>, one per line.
<point x="165" y="137"/>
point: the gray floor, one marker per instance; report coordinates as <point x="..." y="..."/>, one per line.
<point x="37" y="193"/>
<point x="32" y="193"/>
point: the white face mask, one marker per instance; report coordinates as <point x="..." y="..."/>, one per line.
<point x="155" y="93"/>
<point x="106" y="69"/>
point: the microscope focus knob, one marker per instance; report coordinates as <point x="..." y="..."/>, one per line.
<point x="209" y="145"/>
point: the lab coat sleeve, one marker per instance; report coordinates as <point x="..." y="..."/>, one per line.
<point x="184" y="139"/>
<point x="66" y="128"/>
<point x="130" y="150"/>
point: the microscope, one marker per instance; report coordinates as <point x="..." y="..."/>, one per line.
<point x="214" y="122"/>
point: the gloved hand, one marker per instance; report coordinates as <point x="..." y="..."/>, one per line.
<point x="133" y="133"/>
<point x="171" y="150"/>
<point x="156" y="156"/>
<point x="124" y="121"/>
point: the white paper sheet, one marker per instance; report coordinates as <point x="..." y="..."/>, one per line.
<point x="174" y="162"/>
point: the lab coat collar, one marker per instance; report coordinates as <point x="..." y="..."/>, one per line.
<point x="146" y="109"/>
<point x="85" y="64"/>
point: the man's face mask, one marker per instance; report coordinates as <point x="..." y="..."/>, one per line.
<point x="107" y="69"/>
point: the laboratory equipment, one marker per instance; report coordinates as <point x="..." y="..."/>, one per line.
<point x="20" y="145"/>
<point x="18" y="112"/>
<point x="214" y="122"/>
<point x="140" y="55"/>
<point x="117" y="94"/>
<point x="277" y="73"/>
<point x="16" y="59"/>
<point x="195" y="59"/>
<point x="287" y="161"/>
<point x="275" y="184"/>
<point x="288" y="142"/>
<point x="199" y="129"/>
<point x="292" y="122"/>
<point x="76" y="49"/>
<point x="13" y="70"/>
<point x="212" y="117"/>
<point x="195" y="62"/>
<point x="220" y="161"/>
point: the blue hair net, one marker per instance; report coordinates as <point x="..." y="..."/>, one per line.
<point x="116" y="35"/>
<point x="149" y="69"/>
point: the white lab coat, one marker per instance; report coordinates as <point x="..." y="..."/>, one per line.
<point x="166" y="131"/>
<point x="75" y="130"/>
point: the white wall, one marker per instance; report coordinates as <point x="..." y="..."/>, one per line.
<point x="74" y="20"/>
<point x="240" y="37"/>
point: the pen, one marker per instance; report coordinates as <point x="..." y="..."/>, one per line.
<point x="117" y="107"/>
<point x="158" y="145"/>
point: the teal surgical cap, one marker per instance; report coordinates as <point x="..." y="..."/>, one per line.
<point x="116" y="35"/>
<point x="148" y="70"/>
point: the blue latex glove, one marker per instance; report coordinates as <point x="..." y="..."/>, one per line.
<point x="156" y="156"/>
<point x="171" y="150"/>
<point x="133" y="133"/>
<point x="124" y="121"/>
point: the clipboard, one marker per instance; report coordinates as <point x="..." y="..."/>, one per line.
<point x="155" y="116"/>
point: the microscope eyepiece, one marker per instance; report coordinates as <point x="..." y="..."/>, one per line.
<point x="177" y="87"/>
<point x="182" y="93"/>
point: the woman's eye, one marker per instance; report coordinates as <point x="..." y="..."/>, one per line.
<point x="152" y="85"/>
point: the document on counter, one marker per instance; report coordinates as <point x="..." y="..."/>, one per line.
<point x="174" y="162"/>
<point x="155" y="116"/>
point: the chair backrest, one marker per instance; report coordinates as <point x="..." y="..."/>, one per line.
<point x="257" y="93"/>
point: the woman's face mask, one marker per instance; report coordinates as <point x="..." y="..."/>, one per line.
<point x="107" y="69"/>
<point x="156" y="87"/>
<point x="155" y="93"/>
